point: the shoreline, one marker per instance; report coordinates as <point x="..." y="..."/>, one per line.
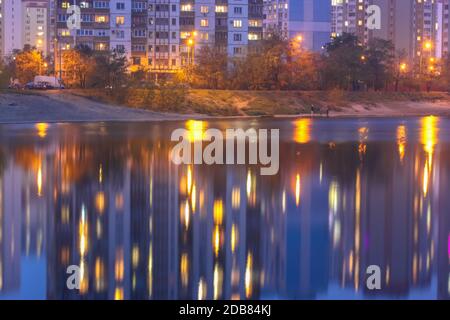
<point x="65" y="107"/>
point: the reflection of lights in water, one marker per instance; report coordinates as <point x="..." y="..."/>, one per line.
<point x="99" y="275"/>
<point x="217" y="281"/>
<point x="333" y="197"/>
<point x="39" y="181"/>
<point x="201" y="290"/>
<point x="184" y="214"/>
<point x="184" y="269"/>
<point x="150" y="270"/>
<point x="118" y="294"/>
<point x="218" y="211"/>
<point x="425" y="180"/>
<point x="388" y="275"/>
<point x="336" y="233"/>
<point x="414" y="269"/>
<point x="83" y="232"/>
<point x="321" y="172"/>
<point x="236" y="198"/>
<point x="193" y="198"/>
<point x="297" y="189"/>
<point x="84" y="277"/>
<point x="119" y="265"/>
<point x="135" y="256"/>
<point x="357" y="226"/>
<point x="429" y="138"/>
<point x="401" y="141"/>
<point x="42" y="129"/>
<point x="283" y="201"/>
<point x="189" y="179"/>
<point x="448" y="285"/>
<point x="195" y="129"/>
<point x="248" y="276"/>
<point x="249" y="183"/>
<point x="363" y="136"/>
<point x="429" y="219"/>
<point x="448" y="246"/>
<point x="302" y="131"/>
<point x="216" y="240"/>
<point x="234" y="237"/>
<point x="99" y="229"/>
<point x="100" y="174"/>
<point x="100" y="202"/>
<point x="429" y="135"/>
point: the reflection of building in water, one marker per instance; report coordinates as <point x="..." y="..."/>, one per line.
<point x="443" y="238"/>
<point x="10" y="224"/>
<point x="140" y="227"/>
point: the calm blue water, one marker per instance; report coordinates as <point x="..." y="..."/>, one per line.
<point x="350" y="193"/>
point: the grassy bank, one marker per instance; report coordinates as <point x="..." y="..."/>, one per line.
<point x="230" y="102"/>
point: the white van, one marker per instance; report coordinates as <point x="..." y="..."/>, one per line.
<point x="49" y="82"/>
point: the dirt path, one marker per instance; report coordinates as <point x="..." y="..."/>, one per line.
<point x="56" y="106"/>
<point x="62" y="106"/>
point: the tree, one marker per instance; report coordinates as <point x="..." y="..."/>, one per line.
<point x="264" y="68"/>
<point x="110" y="69"/>
<point x="343" y="62"/>
<point x="77" y="63"/>
<point x="26" y="64"/>
<point x="210" y="71"/>
<point x="379" y="63"/>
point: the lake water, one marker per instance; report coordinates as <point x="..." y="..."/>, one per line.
<point x="350" y="193"/>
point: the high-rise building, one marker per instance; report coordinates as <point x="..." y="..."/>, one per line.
<point x="412" y="26"/>
<point x="35" y="24"/>
<point x="162" y="35"/>
<point x="289" y="19"/>
<point x="11" y="22"/>
<point x="24" y="22"/>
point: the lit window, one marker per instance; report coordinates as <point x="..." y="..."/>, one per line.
<point x="186" y="7"/>
<point x="237" y="23"/>
<point x="101" y="19"/>
<point x="204" y="22"/>
<point x="221" y="9"/>
<point x="120" y="20"/>
<point x="204" y="9"/>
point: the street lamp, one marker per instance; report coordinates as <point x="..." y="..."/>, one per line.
<point x="299" y="38"/>
<point x="403" y="67"/>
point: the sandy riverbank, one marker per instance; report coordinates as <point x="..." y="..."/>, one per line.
<point x="56" y="106"/>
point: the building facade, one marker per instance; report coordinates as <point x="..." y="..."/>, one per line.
<point x="310" y="19"/>
<point x="162" y="35"/>
<point x="418" y="28"/>
<point x="24" y="22"/>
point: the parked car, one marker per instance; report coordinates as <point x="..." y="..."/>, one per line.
<point x="29" y="85"/>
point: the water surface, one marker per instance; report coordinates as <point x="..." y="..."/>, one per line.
<point x="350" y="193"/>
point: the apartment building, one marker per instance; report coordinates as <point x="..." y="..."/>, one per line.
<point x="11" y="24"/>
<point x="35" y="25"/>
<point x="162" y="35"/>
<point x="289" y="19"/>
<point x="413" y="26"/>
<point x="24" y="22"/>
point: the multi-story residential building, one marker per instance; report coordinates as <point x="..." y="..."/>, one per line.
<point x="11" y="22"/>
<point x="290" y="19"/>
<point x="35" y="24"/>
<point x="24" y="22"/>
<point x="162" y="35"/>
<point x="412" y="26"/>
